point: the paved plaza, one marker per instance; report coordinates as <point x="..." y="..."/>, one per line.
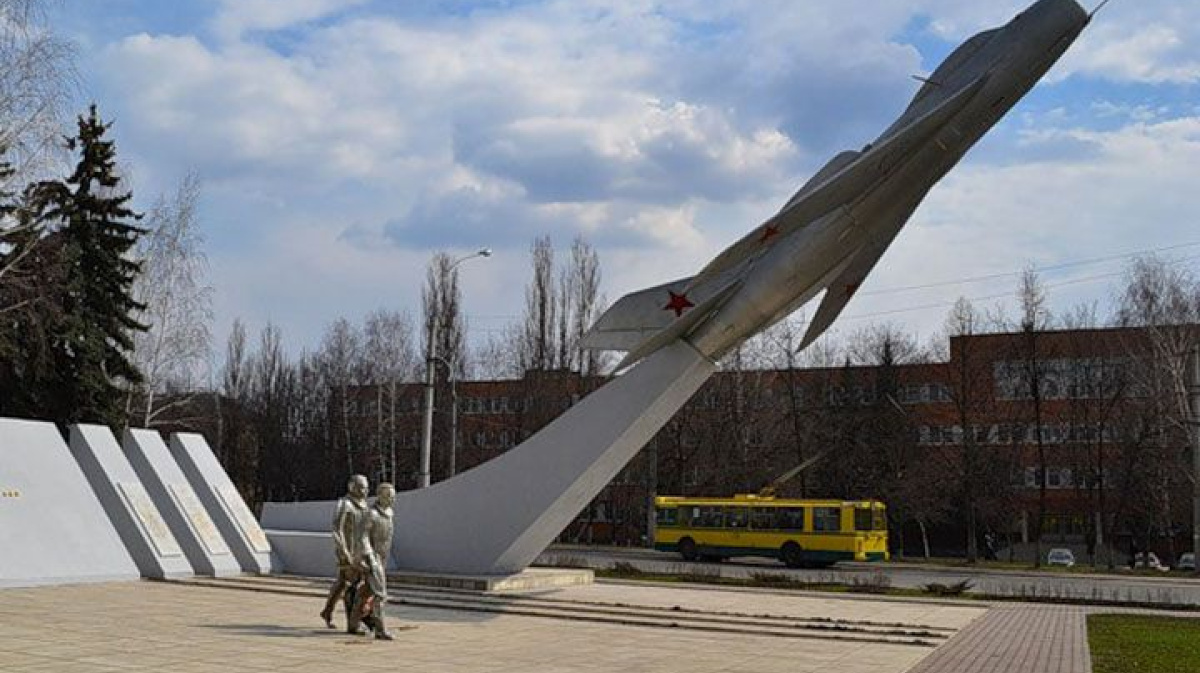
<point x="270" y="624"/>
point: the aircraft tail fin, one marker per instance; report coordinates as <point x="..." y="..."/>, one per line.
<point x="634" y="318"/>
<point x="642" y="322"/>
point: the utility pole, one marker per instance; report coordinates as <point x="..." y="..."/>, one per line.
<point x="1194" y="404"/>
<point x="430" y="380"/>
<point x="453" y="425"/>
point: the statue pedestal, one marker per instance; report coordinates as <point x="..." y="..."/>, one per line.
<point x="310" y="554"/>
<point x="530" y="579"/>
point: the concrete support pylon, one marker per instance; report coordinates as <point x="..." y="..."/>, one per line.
<point x="496" y="518"/>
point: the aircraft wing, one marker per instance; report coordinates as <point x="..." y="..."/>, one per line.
<point x="843" y="287"/>
<point x="848" y="182"/>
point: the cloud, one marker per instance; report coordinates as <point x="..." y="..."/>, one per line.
<point x="1154" y="54"/>
<point x="364" y="133"/>
<point x="234" y="18"/>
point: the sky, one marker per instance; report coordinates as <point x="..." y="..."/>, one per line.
<point x="340" y="143"/>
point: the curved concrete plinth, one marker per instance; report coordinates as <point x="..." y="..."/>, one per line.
<point x="496" y="518"/>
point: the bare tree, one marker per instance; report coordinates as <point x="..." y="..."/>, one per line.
<point x="237" y="442"/>
<point x="175" y="349"/>
<point x="442" y="313"/>
<point x="967" y="384"/>
<point x="339" y="363"/>
<point x="500" y="355"/>
<point x="587" y="303"/>
<point x="538" y="343"/>
<point x="37" y="76"/>
<point x="1035" y="319"/>
<point x="390" y="357"/>
<point x="272" y="381"/>
<point x="883" y="343"/>
<point x="1163" y="300"/>
<point x="786" y="337"/>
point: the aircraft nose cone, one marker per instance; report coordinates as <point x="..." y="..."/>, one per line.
<point x="1063" y="14"/>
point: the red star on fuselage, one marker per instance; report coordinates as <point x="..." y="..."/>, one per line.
<point x="770" y="231"/>
<point x="679" y="303"/>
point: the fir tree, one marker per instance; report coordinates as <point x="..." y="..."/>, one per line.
<point x="94" y="225"/>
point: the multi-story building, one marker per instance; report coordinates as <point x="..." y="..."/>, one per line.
<point x="1077" y="433"/>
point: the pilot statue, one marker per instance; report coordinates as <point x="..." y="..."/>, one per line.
<point x="348" y="520"/>
<point x="373" y="552"/>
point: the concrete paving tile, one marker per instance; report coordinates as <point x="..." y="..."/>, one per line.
<point x="191" y="628"/>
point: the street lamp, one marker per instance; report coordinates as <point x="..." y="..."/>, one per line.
<point x="431" y="358"/>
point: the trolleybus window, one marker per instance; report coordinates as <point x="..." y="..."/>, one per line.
<point x="762" y="518"/>
<point x="863" y="518"/>
<point x="736" y="517"/>
<point x="667" y="516"/>
<point x="827" y="519"/>
<point x="789" y="518"/>
<point x="710" y="517"/>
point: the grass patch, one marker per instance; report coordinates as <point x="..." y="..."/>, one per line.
<point x="1081" y="568"/>
<point x="1131" y="643"/>
<point x="871" y="584"/>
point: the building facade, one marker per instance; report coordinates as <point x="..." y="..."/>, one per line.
<point x="1071" y="437"/>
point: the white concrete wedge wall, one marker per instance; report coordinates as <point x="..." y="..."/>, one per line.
<point x="496" y="518"/>
<point x="128" y="505"/>
<point x="191" y="524"/>
<point x="229" y="511"/>
<point x="53" y="529"/>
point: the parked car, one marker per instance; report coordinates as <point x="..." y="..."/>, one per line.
<point x="1149" y="560"/>
<point x="1186" y="562"/>
<point x="1060" y="557"/>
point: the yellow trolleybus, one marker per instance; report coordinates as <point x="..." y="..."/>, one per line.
<point x="801" y="533"/>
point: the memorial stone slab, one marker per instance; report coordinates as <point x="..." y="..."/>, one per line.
<point x="220" y="497"/>
<point x="53" y="529"/>
<point x="134" y="515"/>
<point x="185" y="515"/>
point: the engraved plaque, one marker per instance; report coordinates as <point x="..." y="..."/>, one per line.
<point x="147" y="516"/>
<point x="205" y="529"/>
<point x="241" y="514"/>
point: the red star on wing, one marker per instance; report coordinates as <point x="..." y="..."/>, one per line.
<point x="679" y="303"/>
<point x="770" y="231"/>
<point x="851" y="288"/>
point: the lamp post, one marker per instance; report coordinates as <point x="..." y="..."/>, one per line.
<point x="450" y="377"/>
<point x="431" y="358"/>
<point x="1194" y="406"/>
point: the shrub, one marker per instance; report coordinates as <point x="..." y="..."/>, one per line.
<point x="956" y="589"/>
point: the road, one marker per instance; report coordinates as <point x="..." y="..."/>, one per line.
<point x="1169" y="589"/>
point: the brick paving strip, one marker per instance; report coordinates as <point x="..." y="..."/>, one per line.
<point x="1016" y="639"/>
<point x="1026" y="638"/>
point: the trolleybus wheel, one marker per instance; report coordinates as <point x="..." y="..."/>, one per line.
<point x="792" y="555"/>
<point x="687" y="549"/>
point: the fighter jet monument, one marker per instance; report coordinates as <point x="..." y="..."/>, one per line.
<point x="834" y="230"/>
<point x="497" y="517"/>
